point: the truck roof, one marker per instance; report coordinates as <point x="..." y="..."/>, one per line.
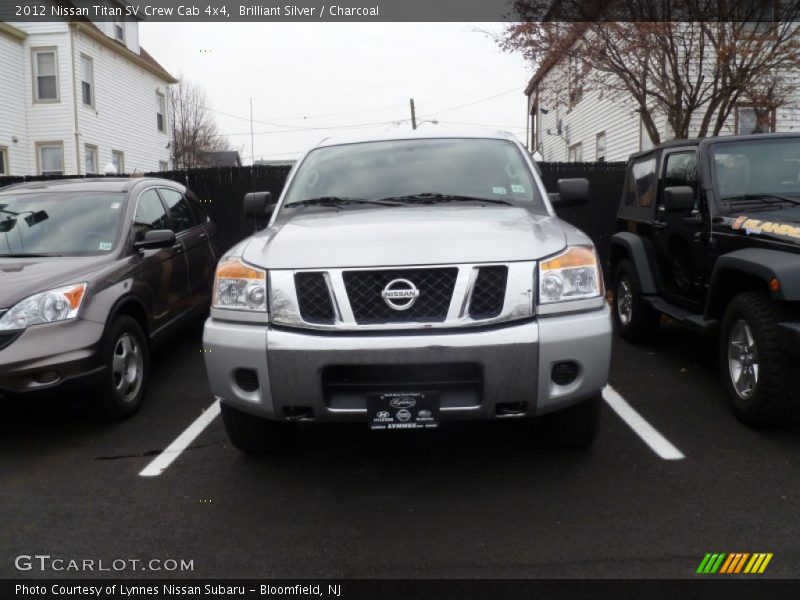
<point x="713" y="140"/>
<point x="413" y="134"/>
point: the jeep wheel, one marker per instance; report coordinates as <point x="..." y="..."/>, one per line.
<point x="753" y="364"/>
<point x="254" y="435"/>
<point x="127" y="359"/>
<point x="573" y="427"/>
<point x="635" y="321"/>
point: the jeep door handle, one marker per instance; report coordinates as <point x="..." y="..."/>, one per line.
<point x="658" y="225"/>
<point x="177" y="248"/>
<point x="204" y="236"/>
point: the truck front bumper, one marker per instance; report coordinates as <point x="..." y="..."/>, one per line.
<point x="286" y="374"/>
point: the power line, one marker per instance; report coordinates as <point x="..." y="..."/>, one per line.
<point x="452" y="108"/>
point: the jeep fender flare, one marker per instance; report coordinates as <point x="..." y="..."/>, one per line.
<point x="634" y="247"/>
<point x="762" y="264"/>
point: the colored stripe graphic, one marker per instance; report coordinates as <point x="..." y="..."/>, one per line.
<point x="734" y="563"/>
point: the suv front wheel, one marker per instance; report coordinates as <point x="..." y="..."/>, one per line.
<point x="635" y="321"/>
<point x="753" y="364"/>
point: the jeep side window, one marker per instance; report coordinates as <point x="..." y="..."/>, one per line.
<point x="641" y="189"/>
<point x="680" y="170"/>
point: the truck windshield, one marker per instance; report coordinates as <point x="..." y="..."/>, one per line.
<point x="415" y="171"/>
<point x="756" y="170"/>
<point x="59" y="224"/>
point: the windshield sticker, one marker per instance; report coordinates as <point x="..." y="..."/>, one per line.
<point x="757" y="226"/>
<point x="517" y="189"/>
<point x="115" y="206"/>
<point x="499" y="190"/>
<point x="105" y="246"/>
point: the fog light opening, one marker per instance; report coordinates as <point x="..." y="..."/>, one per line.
<point x="564" y="372"/>
<point x="46" y="378"/>
<point x="246" y="379"/>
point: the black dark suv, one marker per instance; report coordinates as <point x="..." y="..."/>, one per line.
<point x="708" y="233"/>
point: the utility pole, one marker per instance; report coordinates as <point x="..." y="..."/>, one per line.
<point x="413" y="114"/>
<point x="252" y="150"/>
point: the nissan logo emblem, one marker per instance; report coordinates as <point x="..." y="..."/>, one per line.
<point x="400" y="294"/>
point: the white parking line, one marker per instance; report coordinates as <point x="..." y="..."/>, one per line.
<point x="174" y="450"/>
<point x="657" y="442"/>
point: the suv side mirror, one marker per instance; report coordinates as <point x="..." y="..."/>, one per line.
<point x="679" y="198"/>
<point x="258" y="205"/>
<point x="158" y="238"/>
<point x="571" y="192"/>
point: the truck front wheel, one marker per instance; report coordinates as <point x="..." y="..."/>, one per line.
<point x="251" y="434"/>
<point x="635" y="321"/>
<point x="753" y="364"/>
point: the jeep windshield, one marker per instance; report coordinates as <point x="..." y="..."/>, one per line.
<point x="414" y="172"/>
<point x="59" y="224"/>
<point x="762" y="172"/>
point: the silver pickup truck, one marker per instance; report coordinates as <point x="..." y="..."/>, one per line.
<point x="405" y="281"/>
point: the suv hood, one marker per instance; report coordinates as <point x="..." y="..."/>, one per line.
<point x="400" y="236"/>
<point x="22" y="277"/>
<point x="777" y="225"/>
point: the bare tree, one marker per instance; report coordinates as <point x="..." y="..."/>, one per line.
<point x="684" y="63"/>
<point x="194" y="130"/>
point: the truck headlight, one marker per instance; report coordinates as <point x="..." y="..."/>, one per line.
<point x="59" y="304"/>
<point x="238" y="286"/>
<point x="572" y="275"/>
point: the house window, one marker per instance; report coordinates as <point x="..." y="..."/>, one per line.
<point x="163" y="166"/>
<point x="119" y="31"/>
<point x="87" y="81"/>
<point x="758" y="17"/>
<point x="45" y="75"/>
<point x="90" y="159"/>
<point x="754" y="119"/>
<point x="51" y="158"/>
<point x="161" y="111"/>
<point x="118" y="160"/>
<point x="600" y="147"/>
<point x="576" y="152"/>
<point x="4" y="161"/>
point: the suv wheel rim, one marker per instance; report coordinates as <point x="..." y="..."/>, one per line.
<point x="624" y="301"/>
<point x="743" y="359"/>
<point x="127" y="367"/>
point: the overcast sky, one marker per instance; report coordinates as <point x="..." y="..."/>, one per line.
<point x="308" y="75"/>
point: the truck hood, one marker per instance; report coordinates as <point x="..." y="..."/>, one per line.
<point x="415" y="235"/>
<point x="22" y="277"/>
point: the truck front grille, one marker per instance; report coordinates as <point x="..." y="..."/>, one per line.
<point x="314" y="298"/>
<point x="489" y="292"/>
<point x="365" y="289"/>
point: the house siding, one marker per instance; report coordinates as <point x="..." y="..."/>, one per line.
<point x="12" y="99"/>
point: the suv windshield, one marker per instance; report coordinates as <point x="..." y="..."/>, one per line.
<point x="761" y="169"/>
<point x="59" y="224"/>
<point x="415" y="171"/>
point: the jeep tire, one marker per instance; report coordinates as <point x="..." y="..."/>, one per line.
<point x="754" y="367"/>
<point x="635" y="321"/>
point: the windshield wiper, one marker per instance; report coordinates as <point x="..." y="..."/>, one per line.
<point x="337" y="202"/>
<point x="769" y="198"/>
<point x="436" y="198"/>
<point x="32" y="255"/>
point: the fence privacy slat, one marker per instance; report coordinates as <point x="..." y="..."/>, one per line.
<point x="222" y="190"/>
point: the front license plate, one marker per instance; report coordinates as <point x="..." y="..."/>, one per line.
<point x="403" y="410"/>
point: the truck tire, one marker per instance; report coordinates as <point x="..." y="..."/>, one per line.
<point x="755" y="369"/>
<point x="119" y="393"/>
<point x="635" y="321"/>
<point x="251" y="434"/>
<point x="574" y="427"/>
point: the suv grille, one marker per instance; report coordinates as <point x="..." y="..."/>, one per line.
<point x="314" y="298"/>
<point x="364" y="289"/>
<point x="489" y="292"/>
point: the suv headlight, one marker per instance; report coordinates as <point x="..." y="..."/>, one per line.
<point x="572" y="275"/>
<point x="59" y="304"/>
<point x="238" y="286"/>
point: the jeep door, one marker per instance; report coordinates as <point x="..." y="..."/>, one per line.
<point x="679" y="235"/>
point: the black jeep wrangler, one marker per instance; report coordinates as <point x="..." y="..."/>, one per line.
<point x="708" y="233"/>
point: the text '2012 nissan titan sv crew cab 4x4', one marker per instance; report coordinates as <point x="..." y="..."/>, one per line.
<point x="409" y="280"/>
<point x="709" y="234"/>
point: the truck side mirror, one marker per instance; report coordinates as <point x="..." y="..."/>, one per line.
<point x="678" y="198"/>
<point x="571" y="192"/>
<point x="155" y="239"/>
<point x="258" y="205"/>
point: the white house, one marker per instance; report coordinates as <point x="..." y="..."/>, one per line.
<point x="76" y="95"/>
<point x="577" y="125"/>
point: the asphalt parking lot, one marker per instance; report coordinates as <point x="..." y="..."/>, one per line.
<point x="650" y="499"/>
